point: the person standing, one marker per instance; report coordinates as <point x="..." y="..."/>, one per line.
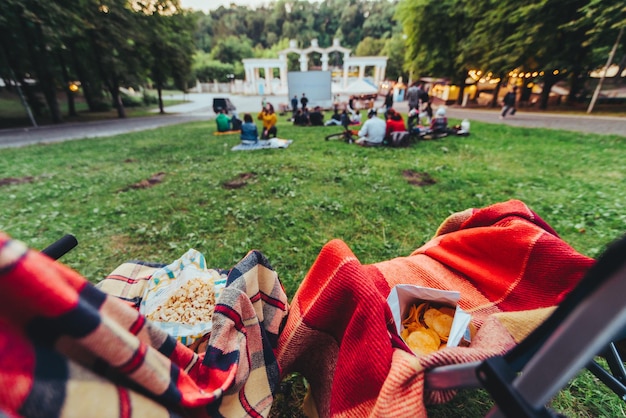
<point x="388" y="101"/>
<point x="372" y="132"/>
<point x="304" y="101"/>
<point x="268" y="116"/>
<point x="413" y="97"/>
<point x="294" y="106"/>
<point x="508" y="102"/>
<point x="424" y="98"/>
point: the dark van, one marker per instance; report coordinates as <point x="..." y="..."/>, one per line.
<point x="220" y="103"/>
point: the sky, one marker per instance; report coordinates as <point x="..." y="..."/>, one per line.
<point x="206" y="5"/>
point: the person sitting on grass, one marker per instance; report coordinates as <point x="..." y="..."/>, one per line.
<point x="355" y="119"/>
<point x="394" y="122"/>
<point x="300" y="118"/>
<point x="439" y="124"/>
<point x="316" y="117"/>
<point x="249" y="131"/>
<point x="269" y="118"/>
<point x="235" y="122"/>
<point x="222" y="121"/>
<point x="372" y="132"/>
<point x="335" y="119"/>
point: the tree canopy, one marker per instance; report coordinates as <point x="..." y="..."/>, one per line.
<point x="46" y="47"/>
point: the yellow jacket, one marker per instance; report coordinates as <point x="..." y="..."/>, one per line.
<point x="269" y="119"/>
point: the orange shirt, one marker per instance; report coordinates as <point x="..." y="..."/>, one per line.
<point x="269" y="119"/>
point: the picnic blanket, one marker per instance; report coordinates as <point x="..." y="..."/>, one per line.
<point x="69" y="349"/>
<point x="263" y="144"/>
<point x="231" y="132"/>
<point x="505" y="261"/>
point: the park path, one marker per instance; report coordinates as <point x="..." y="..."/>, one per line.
<point x="199" y="108"/>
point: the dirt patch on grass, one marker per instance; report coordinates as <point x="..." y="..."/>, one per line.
<point x="146" y="183"/>
<point x="239" y="181"/>
<point x="6" y="181"/>
<point x="418" y="178"/>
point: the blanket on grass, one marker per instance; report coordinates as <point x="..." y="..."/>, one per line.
<point x="226" y="132"/>
<point x="69" y="349"/>
<point x="504" y="259"/>
<point x="263" y="144"/>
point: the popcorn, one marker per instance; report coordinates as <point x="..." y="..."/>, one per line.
<point x="180" y="298"/>
<point x="192" y="303"/>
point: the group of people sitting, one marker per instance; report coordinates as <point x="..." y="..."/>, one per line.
<point x="227" y="124"/>
<point x="376" y="132"/>
<point x="306" y="117"/>
<point x="248" y="129"/>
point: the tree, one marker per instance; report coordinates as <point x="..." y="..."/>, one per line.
<point x="35" y="27"/>
<point x="118" y="48"/>
<point x="369" y="47"/>
<point x="170" y="44"/>
<point x="394" y="51"/>
<point x="603" y="20"/>
<point x="351" y="24"/>
<point x="232" y="49"/>
<point x="434" y="32"/>
<point x="380" y="22"/>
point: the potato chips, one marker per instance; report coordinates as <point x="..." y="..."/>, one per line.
<point x="427" y="327"/>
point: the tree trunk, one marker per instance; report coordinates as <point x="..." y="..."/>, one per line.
<point x="462" y="86"/>
<point x="548" y="82"/>
<point x="575" y="86"/>
<point x="622" y="66"/>
<point x="84" y="80"/>
<point x="68" y="92"/>
<point x="496" y="92"/>
<point x="117" y="98"/>
<point x="46" y="78"/>
<point x="36" y="50"/>
<point x="160" y="93"/>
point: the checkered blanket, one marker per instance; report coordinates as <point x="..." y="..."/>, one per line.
<point x="68" y="348"/>
<point x="505" y="261"/>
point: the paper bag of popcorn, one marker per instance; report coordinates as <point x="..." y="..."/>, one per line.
<point x="180" y="298"/>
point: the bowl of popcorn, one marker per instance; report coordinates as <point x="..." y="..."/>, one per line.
<point x="180" y="298"/>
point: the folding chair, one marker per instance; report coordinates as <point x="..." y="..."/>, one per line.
<point x="582" y="327"/>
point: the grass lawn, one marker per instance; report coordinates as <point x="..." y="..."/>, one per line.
<point x="287" y="203"/>
<point x="14" y="115"/>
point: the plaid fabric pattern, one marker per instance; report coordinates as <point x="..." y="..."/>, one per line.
<point x="340" y="335"/>
<point x="68" y="348"/>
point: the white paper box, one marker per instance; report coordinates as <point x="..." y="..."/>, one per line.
<point x="402" y="296"/>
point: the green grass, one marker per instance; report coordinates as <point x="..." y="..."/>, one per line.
<point x="299" y="198"/>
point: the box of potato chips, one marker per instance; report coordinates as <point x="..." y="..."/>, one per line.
<point x="429" y="319"/>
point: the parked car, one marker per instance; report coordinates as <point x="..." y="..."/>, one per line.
<point x="220" y="103"/>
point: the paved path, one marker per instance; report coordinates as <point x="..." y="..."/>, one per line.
<point x="579" y="123"/>
<point x="199" y="108"/>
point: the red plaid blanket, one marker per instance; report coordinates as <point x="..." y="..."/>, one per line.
<point x="340" y="333"/>
<point x="69" y="349"/>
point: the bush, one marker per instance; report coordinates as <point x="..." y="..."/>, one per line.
<point x="149" y="99"/>
<point x="101" y="106"/>
<point x="131" y="100"/>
